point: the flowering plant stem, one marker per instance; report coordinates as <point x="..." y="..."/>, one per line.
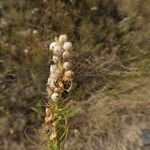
<point x="59" y="86"/>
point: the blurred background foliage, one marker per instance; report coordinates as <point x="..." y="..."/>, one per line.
<point x="111" y="41"/>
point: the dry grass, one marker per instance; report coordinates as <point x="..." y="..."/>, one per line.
<point x="111" y="63"/>
<point x="112" y="121"/>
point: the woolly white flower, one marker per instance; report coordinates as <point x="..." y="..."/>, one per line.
<point x="67" y="46"/>
<point x="48" y="81"/>
<point x="62" y="38"/>
<point x="67" y="65"/>
<point x="54" y="76"/>
<point x="51" y="82"/>
<point x="52" y="45"/>
<point x="52" y="85"/>
<point x="58" y="50"/>
<point x="55" y="96"/>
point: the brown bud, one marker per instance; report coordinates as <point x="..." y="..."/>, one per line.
<point x="67" y="55"/>
<point x="69" y="75"/>
<point x="49" y="91"/>
<point x="48" y="112"/>
<point x="53" y="135"/>
<point x="58" y="89"/>
<point x="45" y="127"/>
<point x="61" y="85"/>
<point x="48" y="119"/>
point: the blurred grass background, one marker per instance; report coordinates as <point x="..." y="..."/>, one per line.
<point x="111" y="41"/>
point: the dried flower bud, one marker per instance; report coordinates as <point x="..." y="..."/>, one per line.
<point x="54" y="123"/>
<point x="57" y="74"/>
<point x="48" y="119"/>
<point x="67" y="46"/>
<point x="53" y="136"/>
<point x="63" y="38"/>
<point x="67" y="55"/>
<point x="56" y="59"/>
<point x="51" y="85"/>
<point x="58" y="89"/>
<point x="69" y="74"/>
<point x="61" y="85"/>
<point x="55" y="96"/>
<point x="45" y="127"/>
<point x="48" y="81"/>
<point x="48" y="111"/>
<point x="67" y="65"/>
<point x="53" y="68"/>
<point x="58" y="50"/>
<point x="52" y="45"/>
<point x="49" y="90"/>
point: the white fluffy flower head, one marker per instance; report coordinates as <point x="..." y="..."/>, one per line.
<point x="63" y="38"/>
<point x="67" y="46"/>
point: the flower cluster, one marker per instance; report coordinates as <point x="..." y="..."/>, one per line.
<point x="61" y="76"/>
<point x="60" y="71"/>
